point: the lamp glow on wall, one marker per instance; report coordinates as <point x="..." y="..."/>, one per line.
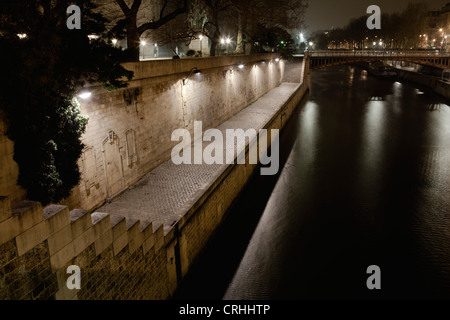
<point x="85" y="95"/>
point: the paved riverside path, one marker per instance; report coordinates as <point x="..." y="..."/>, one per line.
<point x="158" y="197"/>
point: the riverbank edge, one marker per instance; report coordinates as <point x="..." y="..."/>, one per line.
<point x="203" y="217"/>
<point x="438" y="86"/>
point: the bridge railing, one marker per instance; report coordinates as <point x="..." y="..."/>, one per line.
<point x="377" y="53"/>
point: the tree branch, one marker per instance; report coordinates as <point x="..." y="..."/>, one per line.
<point x="123" y="6"/>
<point x="136" y="4"/>
<point x="163" y="20"/>
<point x="163" y="8"/>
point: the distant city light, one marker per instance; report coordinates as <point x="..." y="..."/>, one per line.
<point x="114" y="41"/>
<point x="93" y="37"/>
<point x="441" y="29"/>
<point x="228" y="41"/>
<point x="381" y="43"/>
<point x="374" y="43"/>
<point x="200" y="37"/>
<point x="310" y="43"/>
<point x="85" y="95"/>
<point x="241" y="66"/>
<point x="156" y="44"/>
<point x="222" y="41"/>
<point x="22" y="35"/>
<point x="277" y="59"/>
<point x="143" y="43"/>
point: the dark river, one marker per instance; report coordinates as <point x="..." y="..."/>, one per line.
<point x="365" y="181"/>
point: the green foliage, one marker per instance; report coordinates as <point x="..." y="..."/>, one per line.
<point x="190" y="53"/>
<point x="274" y="40"/>
<point x="43" y="73"/>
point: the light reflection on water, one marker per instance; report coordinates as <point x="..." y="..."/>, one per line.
<point x="372" y="182"/>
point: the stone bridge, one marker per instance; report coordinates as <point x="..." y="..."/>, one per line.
<point x="326" y="58"/>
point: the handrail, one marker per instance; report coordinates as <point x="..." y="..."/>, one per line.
<point x="376" y="53"/>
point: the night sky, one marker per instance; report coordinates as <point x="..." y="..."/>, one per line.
<point x="325" y="14"/>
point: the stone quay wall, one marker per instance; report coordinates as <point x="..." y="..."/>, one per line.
<point x="120" y="258"/>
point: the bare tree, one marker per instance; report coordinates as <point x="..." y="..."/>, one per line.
<point x="134" y="17"/>
<point x="285" y="14"/>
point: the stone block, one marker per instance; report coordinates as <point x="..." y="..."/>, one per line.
<point x="31" y="238"/>
<point x="135" y="237"/>
<point x="62" y="257"/>
<point x="80" y="222"/>
<point x="83" y="241"/>
<point x="59" y="240"/>
<point x="120" y="243"/>
<point x="149" y="243"/>
<point x="5" y="208"/>
<point x="119" y="226"/>
<point x="101" y="223"/>
<point x="103" y="242"/>
<point x="57" y="218"/>
<point x="66" y="294"/>
<point x="25" y="215"/>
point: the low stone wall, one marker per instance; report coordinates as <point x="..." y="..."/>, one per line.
<point x="118" y="258"/>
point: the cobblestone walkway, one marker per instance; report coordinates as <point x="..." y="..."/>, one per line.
<point x="163" y="191"/>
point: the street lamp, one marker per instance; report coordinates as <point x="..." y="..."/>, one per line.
<point x="85" y="95"/>
<point x="201" y="45"/>
<point x="156" y="51"/>
<point x="114" y="42"/>
<point x="226" y="41"/>
<point x="143" y="44"/>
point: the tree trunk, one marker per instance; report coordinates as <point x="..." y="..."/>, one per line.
<point x="133" y="40"/>
<point x="213" y="47"/>
<point x="240" y="39"/>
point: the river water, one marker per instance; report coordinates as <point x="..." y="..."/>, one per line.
<point x="365" y="181"/>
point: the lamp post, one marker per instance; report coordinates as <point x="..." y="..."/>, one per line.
<point x="156" y="51"/>
<point x="143" y="44"/>
<point x="201" y="45"/>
